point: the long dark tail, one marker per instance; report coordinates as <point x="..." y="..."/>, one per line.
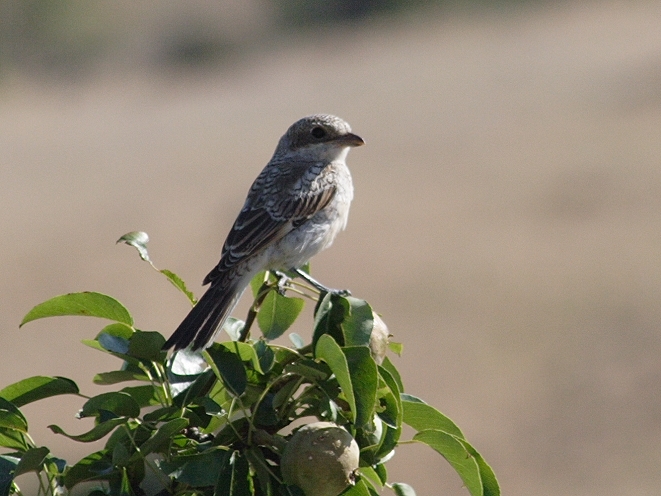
<point x="207" y="316"/>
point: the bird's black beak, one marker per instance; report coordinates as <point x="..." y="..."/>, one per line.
<point x="351" y="139"/>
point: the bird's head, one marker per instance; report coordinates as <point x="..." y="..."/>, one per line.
<point x="320" y="135"/>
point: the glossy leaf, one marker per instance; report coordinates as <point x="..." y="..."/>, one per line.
<point x="88" y="304"/>
<point x="388" y="365"/>
<point x="147" y="345"/>
<point x="199" y="470"/>
<point x="489" y="482"/>
<point x="402" y="489"/>
<point x="14" y="439"/>
<point x="11" y="417"/>
<point x="229" y="368"/>
<point x="116" y="376"/>
<point x="364" y="381"/>
<point x="31" y="461"/>
<point x="357" y="325"/>
<point x="397" y="348"/>
<point x="455" y="452"/>
<point x="422" y="416"/>
<point x="7" y="466"/>
<point x="147" y="395"/>
<point x="330" y="313"/>
<point x="257" y="283"/>
<point x="161" y="437"/>
<point x="99" y="431"/>
<point x="93" y="466"/>
<point x="360" y="489"/>
<point x="331" y="353"/>
<point x="233" y="477"/>
<point x="234" y="328"/>
<point x="371" y="475"/>
<point x="117" y="403"/>
<point x="265" y="355"/>
<point x="296" y="340"/>
<point x="138" y="240"/>
<point x="390" y="400"/>
<point x="179" y="283"/>
<point x="36" y="388"/>
<point x="277" y="313"/>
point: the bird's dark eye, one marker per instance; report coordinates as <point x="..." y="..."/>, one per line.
<point x="318" y="132"/>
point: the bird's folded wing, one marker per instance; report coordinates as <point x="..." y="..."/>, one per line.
<point x="258" y="227"/>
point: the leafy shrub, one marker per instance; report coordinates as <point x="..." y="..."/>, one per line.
<point x="218" y="422"/>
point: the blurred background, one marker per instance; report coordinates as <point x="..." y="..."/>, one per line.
<point x="507" y="219"/>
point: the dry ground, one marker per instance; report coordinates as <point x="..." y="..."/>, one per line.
<point x="507" y="222"/>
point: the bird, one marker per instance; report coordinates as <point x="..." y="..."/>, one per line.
<point x="294" y="209"/>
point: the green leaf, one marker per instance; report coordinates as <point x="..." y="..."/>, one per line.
<point x="13" y="439"/>
<point x="92" y="467"/>
<point x="397" y="348"/>
<point x="401" y="489"/>
<point x="120" y="455"/>
<point x="199" y="387"/>
<point x="119" y="404"/>
<point x="296" y="340"/>
<point x="382" y="472"/>
<point x="277" y="313"/>
<point x="147" y="345"/>
<point x="422" y="416"/>
<point x="7" y="466"/>
<point x="55" y="466"/>
<point x="11" y="417"/>
<point x="370" y="474"/>
<point x="388" y="365"/>
<point x="148" y="395"/>
<point x="86" y="304"/>
<point x="233" y="328"/>
<point x="360" y="489"/>
<point x="228" y="367"/>
<point x="138" y="240"/>
<point x="199" y="470"/>
<point x="489" y="481"/>
<point x="357" y="326"/>
<point x="331" y="353"/>
<point x="390" y="399"/>
<point x="265" y="355"/>
<point x="257" y="283"/>
<point x="36" y="388"/>
<point x="309" y="369"/>
<point x="161" y="438"/>
<point x="117" y="330"/>
<point x="454" y="451"/>
<point x="330" y="313"/>
<point x="99" y="431"/>
<point x="244" y="351"/>
<point x="388" y="443"/>
<point x="364" y="380"/>
<point x="116" y="376"/>
<point x="262" y="469"/>
<point x="178" y="283"/>
<point x="125" y="487"/>
<point x="233" y="479"/>
<point x="31" y="461"/>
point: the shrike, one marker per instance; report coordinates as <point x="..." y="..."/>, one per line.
<point x="294" y="209"/>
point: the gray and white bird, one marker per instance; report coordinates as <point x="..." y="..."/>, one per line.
<point x="294" y="209"/>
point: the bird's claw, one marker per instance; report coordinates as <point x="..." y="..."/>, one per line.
<point x="340" y="292"/>
<point x="283" y="282"/>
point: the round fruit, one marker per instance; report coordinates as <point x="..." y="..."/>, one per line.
<point x="321" y="458"/>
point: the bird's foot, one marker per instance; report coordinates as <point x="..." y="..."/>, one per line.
<point x="283" y="282"/>
<point x="307" y="277"/>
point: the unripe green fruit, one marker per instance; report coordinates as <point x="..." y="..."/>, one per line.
<point x="379" y="339"/>
<point x="321" y="459"/>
